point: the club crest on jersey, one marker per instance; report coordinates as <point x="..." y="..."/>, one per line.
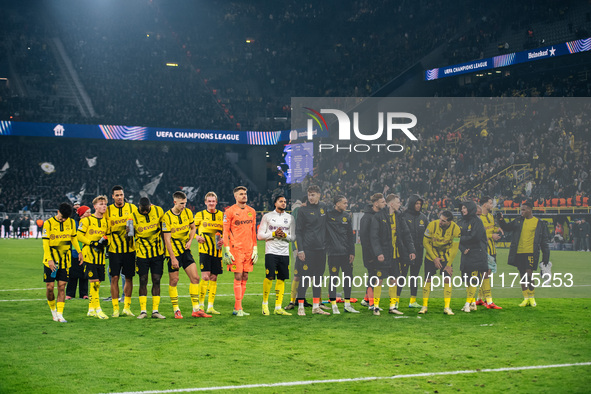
<point x="321" y="211"/>
<point x="249" y="214"/>
<point x="344" y="220"/>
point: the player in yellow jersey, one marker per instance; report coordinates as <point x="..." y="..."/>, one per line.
<point x="178" y="231"/>
<point x="149" y="251"/>
<point x="492" y="235"/>
<point x="59" y="234"/>
<point x="441" y="242"/>
<point x="121" y="249"/>
<point x="530" y="235"/>
<point x="210" y="225"/>
<point x="92" y="232"/>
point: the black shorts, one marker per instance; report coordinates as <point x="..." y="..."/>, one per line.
<point x="314" y="265"/>
<point x="155" y="265"/>
<point x="122" y="263"/>
<point x="61" y="275"/>
<point x="336" y="263"/>
<point x="525" y="261"/>
<point x="94" y="271"/>
<point x="276" y="265"/>
<point x="185" y="260"/>
<point x="210" y="264"/>
<point x="431" y="270"/>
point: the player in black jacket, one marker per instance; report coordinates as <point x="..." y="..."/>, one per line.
<point x="473" y="246"/>
<point x="378" y="202"/>
<point x="390" y="239"/>
<point x="340" y="247"/>
<point x="417" y="224"/>
<point x="311" y="244"/>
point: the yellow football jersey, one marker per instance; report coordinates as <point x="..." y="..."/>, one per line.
<point x="442" y="243"/>
<point x="148" y="234"/>
<point x="117" y="218"/>
<point x="489" y="225"/>
<point x="208" y="224"/>
<point x="58" y="238"/>
<point x="396" y="253"/>
<point x="179" y="227"/>
<point x="528" y="233"/>
<point x="92" y="229"/>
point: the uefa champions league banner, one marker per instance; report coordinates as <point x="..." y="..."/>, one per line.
<point x="566" y="48"/>
<point x="137" y="133"/>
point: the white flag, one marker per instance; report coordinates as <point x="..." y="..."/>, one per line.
<point x="71" y="197"/>
<point x="47" y="167"/>
<point x="190" y="191"/>
<point x="91" y="162"/>
<point x="4" y="169"/>
<point x="150" y="188"/>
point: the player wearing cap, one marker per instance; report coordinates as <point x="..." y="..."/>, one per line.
<point x="92" y="232"/>
<point x="150" y="253"/>
<point x="121" y="249"/>
<point x="277" y="229"/>
<point x="240" y="244"/>
<point x="178" y="231"/>
<point x="530" y="235"/>
<point x="59" y="235"/>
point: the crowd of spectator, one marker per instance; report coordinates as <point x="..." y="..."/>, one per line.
<point x="461" y="153"/>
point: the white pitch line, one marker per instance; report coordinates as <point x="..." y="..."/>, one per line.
<point x="308" y="382"/>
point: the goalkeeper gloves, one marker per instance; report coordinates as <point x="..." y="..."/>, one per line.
<point x="255" y="255"/>
<point x="228" y="258"/>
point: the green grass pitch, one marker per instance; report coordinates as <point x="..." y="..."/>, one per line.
<point x="88" y="355"/>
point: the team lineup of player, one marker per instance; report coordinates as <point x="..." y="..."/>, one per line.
<point x="141" y="239"/>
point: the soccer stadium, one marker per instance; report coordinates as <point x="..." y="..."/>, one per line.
<point x="281" y="196"/>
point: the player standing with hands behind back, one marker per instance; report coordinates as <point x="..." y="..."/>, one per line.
<point x="240" y="244"/>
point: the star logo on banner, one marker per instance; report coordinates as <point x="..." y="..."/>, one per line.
<point x="552" y="51"/>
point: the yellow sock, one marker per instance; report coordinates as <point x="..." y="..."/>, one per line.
<point x="446" y="294"/>
<point x="525" y="294"/>
<point x="333" y="303"/>
<point x="267" y="284"/>
<point x="60" y="307"/>
<point x="97" y="298"/>
<point x="486" y="291"/>
<point x="115" y="302"/>
<point x="51" y="304"/>
<point x="213" y="288"/>
<point x="91" y="296"/>
<point x="194" y="293"/>
<point x="426" y="293"/>
<point x="155" y="303"/>
<point x="174" y="297"/>
<point x="294" y="290"/>
<point x="279" y="290"/>
<point x="481" y="291"/>
<point x="412" y="300"/>
<point x="203" y="285"/>
<point x="392" y="292"/>
<point x="143" y="303"/>
<point x="532" y="293"/>
<point x="377" y="293"/>
<point x="127" y="303"/>
<point x="470" y="292"/>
